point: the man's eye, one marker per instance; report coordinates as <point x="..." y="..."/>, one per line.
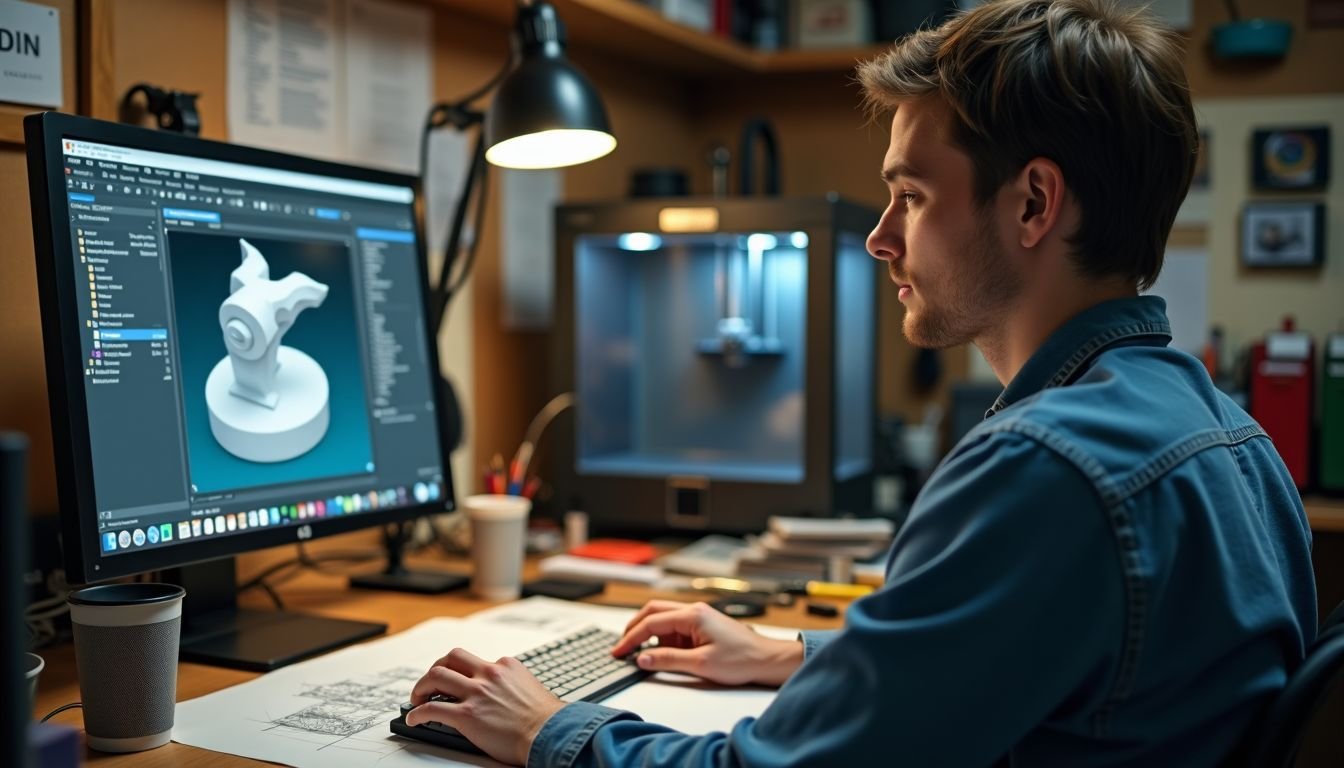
<point x="908" y="197"/>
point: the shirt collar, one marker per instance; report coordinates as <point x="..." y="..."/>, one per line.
<point x="1133" y="320"/>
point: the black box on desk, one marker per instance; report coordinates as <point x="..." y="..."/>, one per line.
<point x="722" y="353"/>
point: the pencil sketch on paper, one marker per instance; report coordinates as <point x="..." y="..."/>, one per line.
<point x="349" y="706"/>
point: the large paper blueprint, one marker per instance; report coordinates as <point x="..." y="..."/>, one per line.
<point x="333" y="711"/>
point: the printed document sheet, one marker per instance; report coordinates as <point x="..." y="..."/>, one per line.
<point x="333" y="711"/>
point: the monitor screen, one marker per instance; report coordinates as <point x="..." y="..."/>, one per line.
<point x="238" y="346"/>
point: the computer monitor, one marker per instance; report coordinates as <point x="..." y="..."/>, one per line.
<point x="239" y="355"/>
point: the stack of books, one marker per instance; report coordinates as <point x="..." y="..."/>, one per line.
<point x="809" y="548"/>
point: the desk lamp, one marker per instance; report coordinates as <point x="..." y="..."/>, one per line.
<point x="545" y="114"/>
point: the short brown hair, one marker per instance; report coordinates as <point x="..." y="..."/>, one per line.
<point x="1096" y="88"/>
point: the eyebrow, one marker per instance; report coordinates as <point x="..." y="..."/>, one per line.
<point x="891" y="172"/>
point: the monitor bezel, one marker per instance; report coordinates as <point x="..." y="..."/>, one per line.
<point x="84" y="562"/>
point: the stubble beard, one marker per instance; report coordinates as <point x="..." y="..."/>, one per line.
<point x="968" y="304"/>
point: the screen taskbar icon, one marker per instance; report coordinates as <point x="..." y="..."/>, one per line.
<point x="266" y="517"/>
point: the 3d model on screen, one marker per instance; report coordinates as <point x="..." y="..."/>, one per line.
<point x="267" y="402"/>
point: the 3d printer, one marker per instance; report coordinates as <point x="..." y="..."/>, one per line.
<point x="722" y="357"/>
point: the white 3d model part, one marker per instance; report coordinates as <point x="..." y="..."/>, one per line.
<point x="267" y="402"/>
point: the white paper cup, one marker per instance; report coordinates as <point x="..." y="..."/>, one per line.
<point x="33" y="666"/>
<point x="498" y="538"/>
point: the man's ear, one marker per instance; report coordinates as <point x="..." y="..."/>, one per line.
<point x="1041" y="194"/>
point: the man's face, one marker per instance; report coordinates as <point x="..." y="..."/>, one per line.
<point x="944" y="252"/>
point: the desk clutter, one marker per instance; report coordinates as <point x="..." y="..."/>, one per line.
<point x="813" y="556"/>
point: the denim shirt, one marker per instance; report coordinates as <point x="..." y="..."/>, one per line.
<point x="1112" y="569"/>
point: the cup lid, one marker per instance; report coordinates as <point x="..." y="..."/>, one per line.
<point x="492" y="506"/>
<point x="126" y="594"/>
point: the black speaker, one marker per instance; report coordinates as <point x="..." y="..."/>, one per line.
<point x="13" y="454"/>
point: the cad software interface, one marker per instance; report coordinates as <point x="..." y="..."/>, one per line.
<point x="254" y="346"/>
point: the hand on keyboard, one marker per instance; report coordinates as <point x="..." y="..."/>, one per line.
<point x="698" y="640"/>
<point x="499" y="706"/>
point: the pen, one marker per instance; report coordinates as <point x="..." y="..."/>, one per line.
<point x="834" y="589"/>
<point x="533" y="484"/>
<point x="518" y="467"/>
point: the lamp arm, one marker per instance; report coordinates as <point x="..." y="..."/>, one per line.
<point x="447" y="287"/>
<point x="462" y="117"/>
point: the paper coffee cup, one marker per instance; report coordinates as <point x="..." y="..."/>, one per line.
<point x="498" y="539"/>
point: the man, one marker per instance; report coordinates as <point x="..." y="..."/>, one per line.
<point x="1114" y="568"/>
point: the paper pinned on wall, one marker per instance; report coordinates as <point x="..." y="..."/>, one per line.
<point x="388" y="56"/>
<point x="1184" y="283"/>
<point x="285" y="77"/>
<point x="528" y="246"/>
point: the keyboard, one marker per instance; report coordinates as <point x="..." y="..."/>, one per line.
<point x="577" y="667"/>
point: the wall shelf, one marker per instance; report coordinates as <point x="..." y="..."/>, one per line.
<point x="632" y="31"/>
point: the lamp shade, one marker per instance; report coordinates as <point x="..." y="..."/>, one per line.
<point x="545" y="114"/>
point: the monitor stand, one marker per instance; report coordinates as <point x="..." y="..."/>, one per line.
<point x="397" y="577"/>
<point x="216" y="631"/>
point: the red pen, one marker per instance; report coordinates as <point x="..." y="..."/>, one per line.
<point x="533" y="483"/>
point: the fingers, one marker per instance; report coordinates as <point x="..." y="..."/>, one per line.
<point x="449" y="676"/>
<point x="464" y="661"/>
<point x="461" y="660"/>
<point x="661" y="659"/>
<point x="660" y="624"/>
<point x="441" y="681"/>
<point x="653" y="606"/>
<point x="432" y="712"/>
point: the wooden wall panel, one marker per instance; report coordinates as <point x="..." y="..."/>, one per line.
<point x="174" y="44"/>
<point x="1314" y="64"/>
<point x="23" y="381"/>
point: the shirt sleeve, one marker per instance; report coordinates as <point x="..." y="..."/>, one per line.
<point x="814" y="640"/>
<point x="1003" y="607"/>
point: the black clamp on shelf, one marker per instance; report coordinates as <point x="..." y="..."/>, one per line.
<point x="172" y="110"/>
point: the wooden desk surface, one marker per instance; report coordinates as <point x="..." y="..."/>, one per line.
<point x="328" y="595"/>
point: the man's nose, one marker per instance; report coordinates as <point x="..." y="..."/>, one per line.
<point x="884" y="241"/>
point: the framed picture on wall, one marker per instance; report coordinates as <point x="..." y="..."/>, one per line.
<point x="1287" y="234"/>
<point x="1291" y="158"/>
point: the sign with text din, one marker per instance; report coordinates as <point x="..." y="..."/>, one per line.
<point x="30" y="54"/>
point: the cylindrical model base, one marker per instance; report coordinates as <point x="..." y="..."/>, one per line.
<point x="252" y="431"/>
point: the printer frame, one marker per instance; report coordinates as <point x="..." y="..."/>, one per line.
<point x="623" y="504"/>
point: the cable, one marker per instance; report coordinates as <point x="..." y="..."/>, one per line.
<point x="305" y="561"/>
<point x="275" y="597"/>
<point x="60" y="709"/>
<point x="459" y="115"/>
<point x="482" y="195"/>
<point x="447" y="286"/>
<point x="544" y="417"/>
<point x="39" y="616"/>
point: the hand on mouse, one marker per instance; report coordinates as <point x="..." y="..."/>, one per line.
<point x="500" y="707"/>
